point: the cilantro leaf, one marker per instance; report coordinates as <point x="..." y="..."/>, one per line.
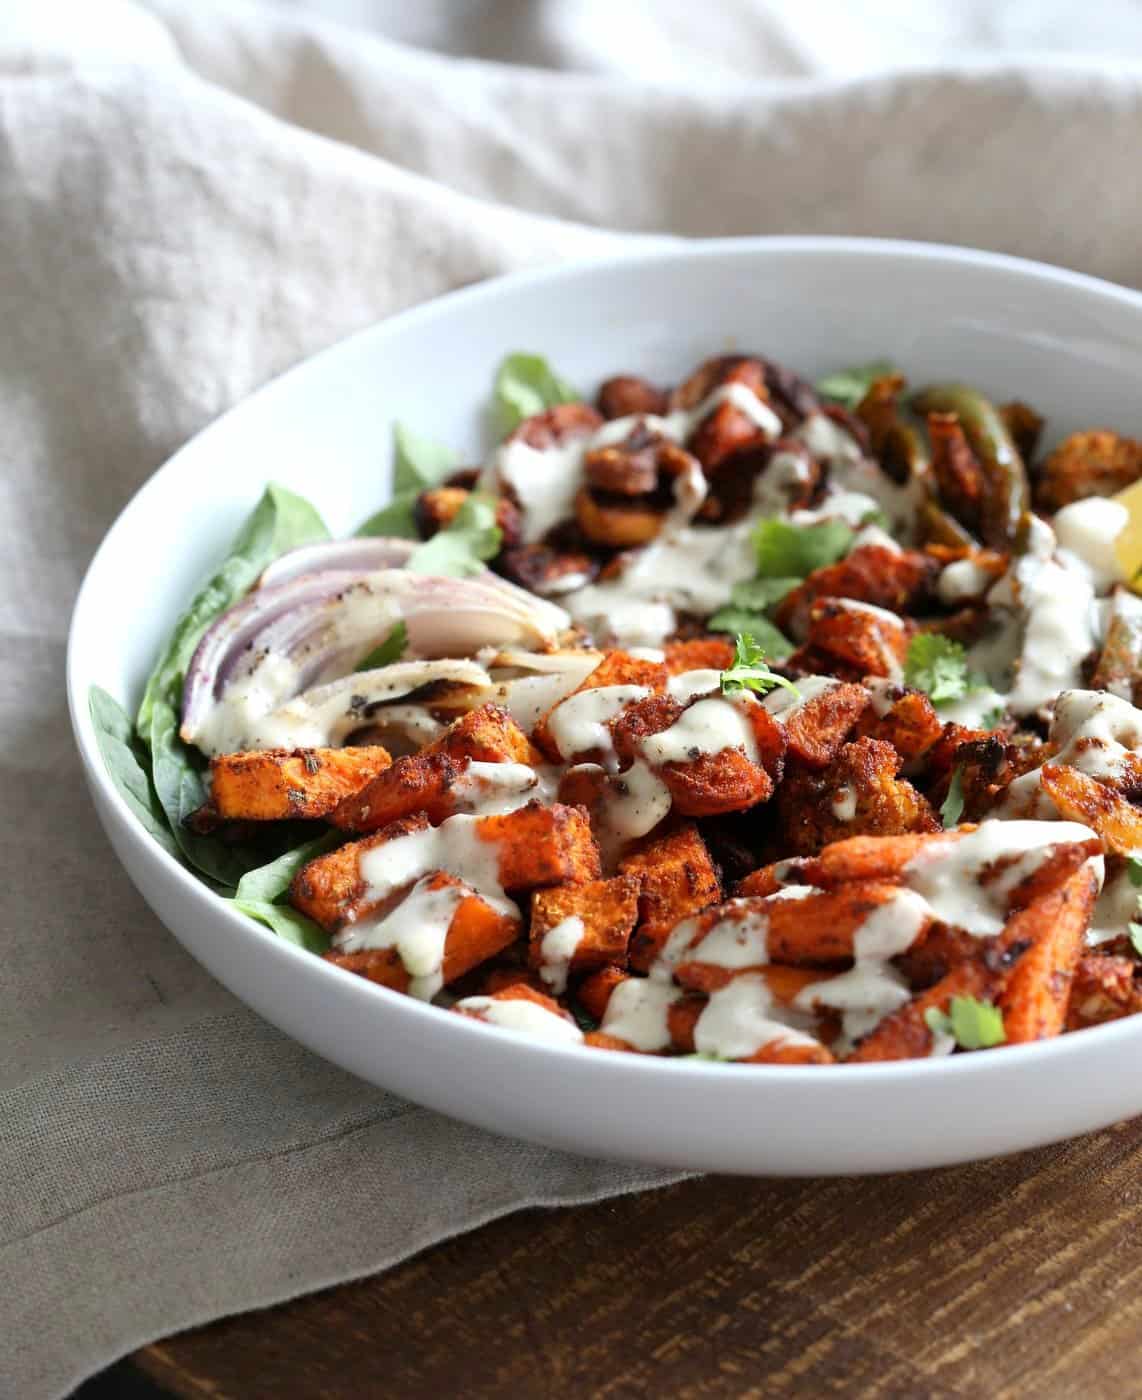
<point x="785" y="550"/>
<point x="1134" y="870"/>
<point x="876" y="517"/>
<point x="470" y="537"/>
<point x="975" y="1025"/>
<point x="390" y="650"/>
<point x="748" y="670"/>
<point x="418" y="463"/>
<point x="953" y="808"/>
<point x="849" y="386"/>
<point x="526" y="384"/>
<point x="994" y="717"/>
<point x="1136" y="937"/>
<point x="757" y="594"/>
<point x="739" y="620"/>
<point x="937" y="665"/>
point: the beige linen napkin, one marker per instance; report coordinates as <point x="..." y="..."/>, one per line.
<point x="182" y="215"/>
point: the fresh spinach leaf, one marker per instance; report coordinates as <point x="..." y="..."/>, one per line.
<point x="460" y="549"/>
<point x="269" y="883"/>
<point x="525" y="385"/>
<point x="127" y="762"/>
<point x="287" y="923"/>
<point x="418" y="464"/>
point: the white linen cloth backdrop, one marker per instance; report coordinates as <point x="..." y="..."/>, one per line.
<point x="192" y="198"/>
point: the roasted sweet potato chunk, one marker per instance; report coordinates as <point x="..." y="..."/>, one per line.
<point x="859" y="793"/>
<point x="910" y="724"/>
<point x="477" y="931"/>
<point x="577" y="928"/>
<point x="1096" y="463"/>
<point x="422" y="782"/>
<point x="899" y="580"/>
<point x="815" y="726"/>
<point x="1105" y="987"/>
<point x="481" y="1008"/>
<point x="862" y="638"/>
<point x="616" y="668"/>
<point x="676" y="878"/>
<point x="535" y="846"/>
<point x="278" y="784"/>
<point x="1080" y="798"/>
<point x="698" y="654"/>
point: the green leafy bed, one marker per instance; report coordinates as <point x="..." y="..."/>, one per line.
<point x="163" y="779"/>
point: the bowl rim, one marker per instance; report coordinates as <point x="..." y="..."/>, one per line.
<point x="460" y="1028"/>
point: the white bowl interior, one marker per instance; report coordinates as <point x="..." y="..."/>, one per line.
<point x="1069" y="345"/>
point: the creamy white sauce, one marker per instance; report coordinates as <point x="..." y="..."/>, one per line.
<point x="579" y="724"/>
<point x="785" y="476"/>
<point x="519" y="1014"/>
<point x="872" y="988"/>
<point x="1087" y="530"/>
<point x="705" y="727"/>
<point x="1092" y="731"/>
<point x="688" y="684"/>
<point x="1118" y="905"/>
<point x="486" y="789"/>
<point x="528" y="684"/>
<point x="637" y="1013"/>
<point x="418" y="927"/>
<point x="545" y="481"/>
<point x="961" y="878"/>
<point x="636" y="801"/>
<point x="736" y="940"/>
<point x="962" y="581"/>
<point x="741" y="1019"/>
<point x="556" y="951"/>
<point x="844" y="803"/>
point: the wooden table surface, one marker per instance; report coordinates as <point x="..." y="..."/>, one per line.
<point x="1018" y="1277"/>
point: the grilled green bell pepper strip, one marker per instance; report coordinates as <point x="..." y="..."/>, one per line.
<point x="1007" y="491"/>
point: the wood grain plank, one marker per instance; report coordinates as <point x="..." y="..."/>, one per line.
<point x="1017" y="1276"/>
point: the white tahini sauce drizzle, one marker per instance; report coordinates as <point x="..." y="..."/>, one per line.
<point x="736" y="940"/>
<point x="418" y="927"/>
<point x="783" y="704"/>
<point x="557" y="950"/>
<point x="1092" y="731"/>
<point x="637" y="1013"/>
<point x="485" y="789"/>
<point x="578" y="725"/>
<point x="545" y="480"/>
<point x="844" y="803"/>
<point x="688" y="684"/>
<point x="706" y="727"/>
<point x="637" y="800"/>
<point x="519" y="1014"/>
<point x="960" y="877"/>
<point x="741" y="1019"/>
<point x="872" y="988"/>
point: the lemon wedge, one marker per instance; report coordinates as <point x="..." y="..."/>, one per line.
<point x="1128" y="543"/>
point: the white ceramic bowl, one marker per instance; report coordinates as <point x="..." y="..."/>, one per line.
<point x="1070" y="345"/>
